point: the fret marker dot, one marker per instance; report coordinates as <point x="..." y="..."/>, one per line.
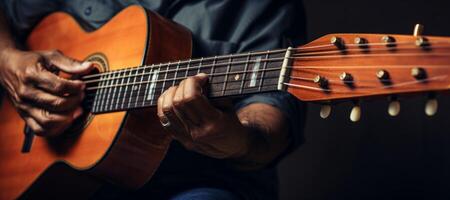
<point x="135" y="87"/>
<point x="236" y="77"/>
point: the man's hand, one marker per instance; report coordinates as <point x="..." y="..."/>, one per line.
<point x="47" y="102"/>
<point x="199" y="126"/>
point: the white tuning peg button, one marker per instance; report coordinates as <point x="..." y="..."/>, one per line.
<point x="431" y="107"/>
<point x="394" y="108"/>
<point x="355" y="114"/>
<point x="325" y="111"/>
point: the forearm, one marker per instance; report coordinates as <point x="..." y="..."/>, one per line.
<point x="268" y="135"/>
<point x="6" y="40"/>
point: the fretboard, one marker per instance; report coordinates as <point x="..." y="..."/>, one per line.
<point x="139" y="87"/>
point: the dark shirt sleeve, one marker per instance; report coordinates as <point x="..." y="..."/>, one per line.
<point x="293" y="110"/>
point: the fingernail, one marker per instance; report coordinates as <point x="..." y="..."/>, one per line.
<point x="77" y="113"/>
<point x="202" y="75"/>
<point x="86" y="64"/>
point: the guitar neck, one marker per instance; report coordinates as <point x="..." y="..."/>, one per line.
<point x="229" y="75"/>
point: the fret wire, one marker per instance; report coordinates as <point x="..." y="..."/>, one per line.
<point x="146" y="89"/>
<point x="187" y="70"/>
<point x="132" y="89"/>
<point x="154" y="84"/>
<point x="176" y="73"/>
<point x="106" y="93"/>
<point x="120" y="87"/>
<point x="226" y="75"/>
<point x="139" y="85"/>
<point x="126" y="90"/>
<point x="164" y="82"/>
<point x="165" y="78"/>
<point x="200" y="66"/>
<point x="114" y="90"/>
<point x="213" y="68"/>
<point x="98" y="95"/>
<point x="263" y="72"/>
<point x="244" y="74"/>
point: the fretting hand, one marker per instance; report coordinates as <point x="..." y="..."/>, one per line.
<point x="190" y="118"/>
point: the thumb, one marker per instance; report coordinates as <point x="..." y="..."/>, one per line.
<point x="66" y="64"/>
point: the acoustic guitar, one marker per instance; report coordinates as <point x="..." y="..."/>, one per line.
<point x="138" y="54"/>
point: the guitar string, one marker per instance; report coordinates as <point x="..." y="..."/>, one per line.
<point x="110" y="105"/>
<point x="300" y="67"/>
<point x="246" y="72"/>
<point x="351" y="81"/>
<point x="195" y="61"/>
<point x="140" y="98"/>
<point x="167" y="65"/>
<point x="212" y="75"/>
<point x="382" y="87"/>
<point x="260" y="79"/>
<point x="93" y="92"/>
<point x="204" y="67"/>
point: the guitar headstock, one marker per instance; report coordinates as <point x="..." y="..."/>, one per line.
<point x="355" y="66"/>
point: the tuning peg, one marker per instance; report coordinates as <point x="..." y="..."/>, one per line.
<point x="431" y="106"/>
<point x="418" y="30"/>
<point x="325" y="111"/>
<point x="394" y="108"/>
<point x="355" y="114"/>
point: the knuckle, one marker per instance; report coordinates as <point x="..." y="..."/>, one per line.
<point x="29" y="73"/>
<point x="177" y="102"/>
<point x="55" y="52"/>
<point x="58" y="102"/>
<point x="190" y="97"/>
<point x="58" y="86"/>
<point x="167" y="108"/>
<point x="22" y="92"/>
<point x="48" y="120"/>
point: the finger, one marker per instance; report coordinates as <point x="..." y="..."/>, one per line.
<point x="184" y="102"/>
<point x="56" y="85"/>
<point x="192" y="104"/>
<point x="180" y="104"/>
<point x="37" y="129"/>
<point x="52" y="123"/>
<point x="202" y="78"/>
<point x="66" y="64"/>
<point x="159" y="106"/>
<point x="47" y="101"/>
<point x="162" y="118"/>
<point x="177" y="128"/>
<point x="196" y="103"/>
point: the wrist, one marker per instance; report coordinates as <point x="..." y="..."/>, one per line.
<point x="6" y="54"/>
<point x="252" y="156"/>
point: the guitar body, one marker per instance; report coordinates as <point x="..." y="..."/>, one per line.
<point x="123" y="148"/>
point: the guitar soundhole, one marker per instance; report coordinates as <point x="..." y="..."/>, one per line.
<point x="101" y="65"/>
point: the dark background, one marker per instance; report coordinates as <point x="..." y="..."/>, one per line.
<point x="381" y="157"/>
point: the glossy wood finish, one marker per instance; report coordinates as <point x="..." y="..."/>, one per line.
<point x="320" y="57"/>
<point x="121" y="148"/>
